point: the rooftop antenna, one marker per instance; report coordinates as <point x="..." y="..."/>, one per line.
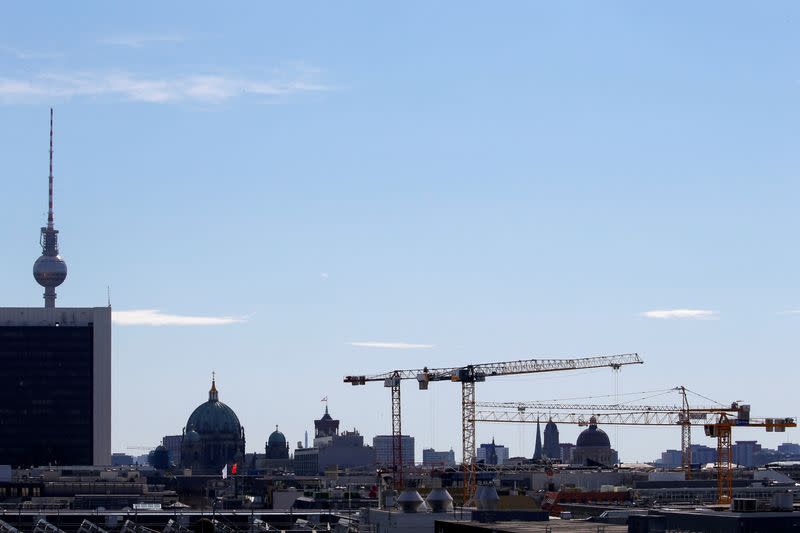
<point x="50" y="270"/>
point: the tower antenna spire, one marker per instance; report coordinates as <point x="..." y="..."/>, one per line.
<point x="50" y="179"/>
<point x="50" y="270"/>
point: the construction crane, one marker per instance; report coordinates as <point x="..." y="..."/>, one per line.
<point x="717" y="422"/>
<point x="468" y="376"/>
<point x="687" y="413"/>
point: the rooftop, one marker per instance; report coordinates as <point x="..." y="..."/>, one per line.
<point x="552" y="525"/>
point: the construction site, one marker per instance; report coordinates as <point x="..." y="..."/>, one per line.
<point x="597" y="493"/>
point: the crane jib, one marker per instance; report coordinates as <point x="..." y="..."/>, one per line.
<point x="479" y="372"/>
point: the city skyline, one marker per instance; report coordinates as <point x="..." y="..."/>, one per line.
<point x="374" y="190"/>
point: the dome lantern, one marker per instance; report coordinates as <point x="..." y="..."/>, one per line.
<point x="213" y="395"/>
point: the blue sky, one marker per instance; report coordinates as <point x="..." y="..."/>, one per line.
<point x="491" y="181"/>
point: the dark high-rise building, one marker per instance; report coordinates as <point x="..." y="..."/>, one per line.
<point x="551" y="448"/>
<point x="55" y="371"/>
<point x="55" y="386"/>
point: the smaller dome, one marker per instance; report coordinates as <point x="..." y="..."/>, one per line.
<point x="593" y="437"/>
<point x="191" y="437"/>
<point x="276" y="439"/>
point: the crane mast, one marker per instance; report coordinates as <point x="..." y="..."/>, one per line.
<point x="686" y="435"/>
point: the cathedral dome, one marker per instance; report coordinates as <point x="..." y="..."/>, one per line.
<point x="213" y="417"/>
<point x="593" y="436"/>
<point x="213" y="436"/>
<point x="276" y="439"/>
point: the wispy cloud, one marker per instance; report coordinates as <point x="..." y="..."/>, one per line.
<point x="28" y="54"/>
<point x="703" y="314"/>
<point x="324" y="275"/>
<point x="154" y="317"/>
<point x="391" y="345"/>
<point x="202" y="88"/>
<point x="790" y="312"/>
<point x="140" y="40"/>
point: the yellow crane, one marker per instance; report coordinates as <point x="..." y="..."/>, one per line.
<point x="717" y="422"/>
<point x="468" y="376"/>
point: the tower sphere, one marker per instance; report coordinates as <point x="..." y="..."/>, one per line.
<point x="50" y="270"/>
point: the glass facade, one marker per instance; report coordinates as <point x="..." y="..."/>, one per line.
<point x="46" y="395"/>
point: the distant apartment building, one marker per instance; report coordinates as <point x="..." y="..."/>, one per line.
<point x="491" y="453"/>
<point x="565" y="452"/>
<point x="789" y="448"/>
<point x="701" y="454"/>
<point x="173" y="445"/>
<point x="744" y="452"/>
<point x="343" y="451"/>
<point x="670" y="459"/>
<point x="121" y="459"/>
<point x="383" y="449"/>
<point x="432" y="458"/>
<point x="306" y="461"/>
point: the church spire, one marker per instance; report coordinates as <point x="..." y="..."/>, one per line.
<point x="537" y="450"/>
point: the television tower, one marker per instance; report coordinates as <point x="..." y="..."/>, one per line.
<point x="50" y="270"/>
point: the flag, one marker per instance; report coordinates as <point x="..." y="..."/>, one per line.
<point x="233" y="468"/>
<point x="225" y="472"/>
<point x="325" y="399"/>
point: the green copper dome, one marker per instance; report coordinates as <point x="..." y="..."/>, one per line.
<point x="213" y="417"/>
